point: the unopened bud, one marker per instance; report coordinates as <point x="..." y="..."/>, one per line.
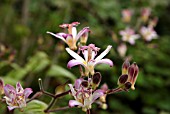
<point x="104" y="106"/>
<point x="133" y="71"/>
<point x="96" y="79"/>
<point x="125" y="67"/>
<point x="122" y="79"/>
<point x="128" y="85"/>
<point x="85" y="83"/>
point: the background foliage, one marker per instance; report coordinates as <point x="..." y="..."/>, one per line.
<point x="28" y="53"/>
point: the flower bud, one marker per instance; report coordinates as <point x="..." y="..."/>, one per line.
<point x="125" y="66"/>
<point x="85" y="84"/>
<point x="133" y="71"/>
<point x="122" y="79"/>
<point x="104" y="106"/>
<point x="128" y="85"/>
<point x="96" y="79"/>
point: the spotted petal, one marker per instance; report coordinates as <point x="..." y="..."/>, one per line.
<point x="9" y="91"/>
<point x="27" y="92"/>
<point x="19" y="88"/>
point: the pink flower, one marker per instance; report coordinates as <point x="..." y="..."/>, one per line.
<point x="128" y="35"/>
<point x="72" y="37"/>
<point x="16" y="98"/>
<point x="148" y="33"/>
<point x="84" y="97"/>
<point x="89" y="61"/>
<point x="126" y="15"/>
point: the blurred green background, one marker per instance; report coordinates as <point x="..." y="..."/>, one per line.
<point x="28" y="53"/>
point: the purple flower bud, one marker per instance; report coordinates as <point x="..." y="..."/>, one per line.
<point x="122" y="79"/>
<point x="133" y="71"/>
<point x="128" y="85"/>
<point x="85" y="83"/>
<point x="125" y="66"/>
<point x="97" y="78"/>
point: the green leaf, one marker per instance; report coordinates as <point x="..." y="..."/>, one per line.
<point x="34" y="107"/>
<point x="38" y="62"/>
<point x="57" y="71"/>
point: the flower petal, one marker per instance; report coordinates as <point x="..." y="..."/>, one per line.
<point x="98" y="93"/>
<point x="74" y="62"/>
<point x="72" y="90"/>
<point x="73" y="103"/>
<point x="74" y="32"/>
<point x="84" y="30"/>
<point x="106" y="61"/>
<point x="78" y="83"/>
<point x="11" y="107"/>
<point x="9" y="91"/>
<point x="27" y="92"/>
<point x="59" y="35"/>
<point x="19" y="88"/>
<point x="75" y="55"/>
<point x="104" y="53"/>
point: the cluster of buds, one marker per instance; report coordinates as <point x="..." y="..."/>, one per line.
<point x="129" y="75"/>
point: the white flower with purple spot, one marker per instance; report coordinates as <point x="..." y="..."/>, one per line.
<point x="128" y="35"/>
<point x="148" y="33"/>
<point x="89" y="61"/>
<point x="16" y="98"/>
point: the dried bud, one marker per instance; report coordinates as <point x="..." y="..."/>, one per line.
<point x="133" y="71"/>
<point x="96" y="79"/>
<point x="122" y="79"/>
<point x="1" y="87"/>
<point x="125" y="66"/>
<point x="85" y="83"/>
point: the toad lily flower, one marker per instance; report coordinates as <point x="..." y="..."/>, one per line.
<point x="90" y="61"/>
<point x="72" y="37"/>
<point x="128" y="35"/>
<point x="148" y="33"/>
<point x="83" y="96"/>
<point x="16" y="98"/>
